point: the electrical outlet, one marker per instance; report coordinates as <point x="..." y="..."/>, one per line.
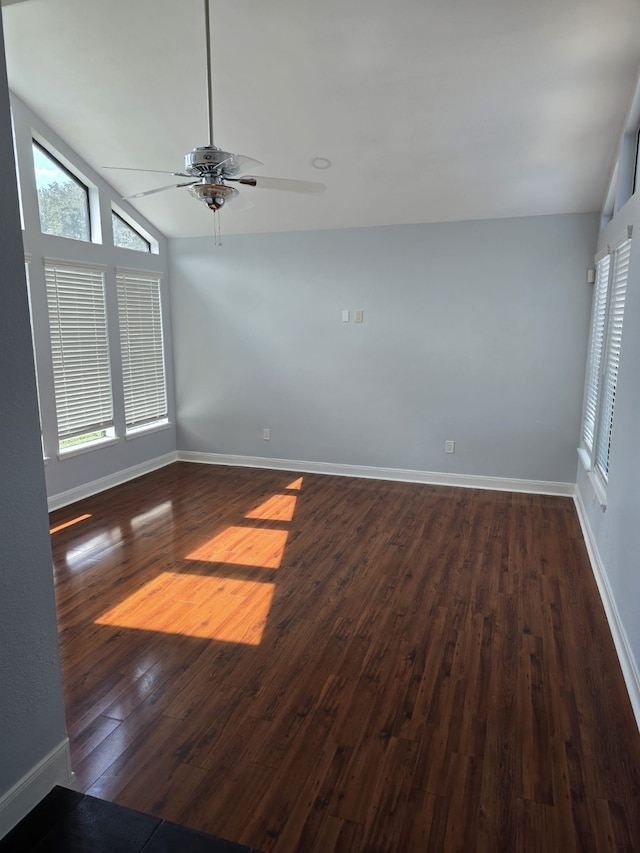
<point x="266" y="434"/>
<point x="449" y="446"/>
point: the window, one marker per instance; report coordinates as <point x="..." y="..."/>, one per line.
<point x="596" y="341"/>
<point x="603" y="361"/>
<point x="80" y="352"/>
<point x="126" y="236"/>
<point x="142" y="347"/>
<point x="63" y="200"/>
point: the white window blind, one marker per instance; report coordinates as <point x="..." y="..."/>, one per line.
<point x="611" y="357"/>
<point x="142" y="347"/>
<point x="80" y="349"/>
<point x="604" y="360"/>
<point x="598" y="319"/>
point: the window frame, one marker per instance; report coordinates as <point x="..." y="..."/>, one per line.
<point x="601" y="376"/>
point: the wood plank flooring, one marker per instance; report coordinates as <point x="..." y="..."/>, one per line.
<point x="309" y="663"/>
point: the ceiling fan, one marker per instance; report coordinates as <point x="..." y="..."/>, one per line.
<point x="209" y="168"/>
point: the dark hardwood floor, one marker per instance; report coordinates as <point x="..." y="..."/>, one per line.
<point x="311" y="663"/>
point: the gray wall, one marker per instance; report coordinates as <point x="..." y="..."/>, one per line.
<point x="616" y="530"/>
<point x="31" y="708"/>
<point x="473" y="331"/>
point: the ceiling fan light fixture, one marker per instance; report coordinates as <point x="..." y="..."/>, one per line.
<point x="214" y="196"/>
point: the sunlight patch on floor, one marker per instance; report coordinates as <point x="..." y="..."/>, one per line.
<point x="247" y="546"/>
<point x="225" y="608"/>
<point x="70" y="523"/>
<point x="276" y="508"/>
<point x="215" y="608"/>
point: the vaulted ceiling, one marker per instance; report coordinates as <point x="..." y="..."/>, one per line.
<point x="429" y="110"/>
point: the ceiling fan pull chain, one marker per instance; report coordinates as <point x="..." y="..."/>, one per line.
<point x="217" y="232"/>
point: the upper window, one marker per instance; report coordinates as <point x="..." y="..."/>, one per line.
<point x="126" y="236"/>
<point x="603" y="361"/>
<point x="63" y="200"/>
<point x="80" y="351"/>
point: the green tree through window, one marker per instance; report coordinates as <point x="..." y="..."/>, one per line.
<point x="63" y="201"/>
<point x="126" y="237"/>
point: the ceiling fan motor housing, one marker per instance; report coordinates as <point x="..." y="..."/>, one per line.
<point x="209" y="160"/>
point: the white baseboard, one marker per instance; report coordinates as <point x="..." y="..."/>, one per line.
<point x="469" y="481"/>
<point x="625" y="655"/>
<point x="104" y="483"/>
<point x="54" y="769"/>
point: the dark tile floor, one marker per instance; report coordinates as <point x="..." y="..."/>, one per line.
<point x="68" y="822"/>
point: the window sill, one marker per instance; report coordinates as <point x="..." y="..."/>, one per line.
<point x="87" y="448"/>
<point x="146" y="430"/>
<point x="599" y="488"/>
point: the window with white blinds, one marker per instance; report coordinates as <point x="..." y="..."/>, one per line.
<point x="604" y="357"/>
<point x="80" y="352"/>
<point x="142" y="348"/>
<point x="598" y="318"/>
<point x="611" y="356"/>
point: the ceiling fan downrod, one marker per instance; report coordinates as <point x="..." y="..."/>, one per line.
<point x="207" y="33"/>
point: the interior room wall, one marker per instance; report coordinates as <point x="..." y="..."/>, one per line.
<point x="71" y="476"/>
<point x="614" y="530"/>
<point x="472" y="331"/>
<point x="31" y="708"/>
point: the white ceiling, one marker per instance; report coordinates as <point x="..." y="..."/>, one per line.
<point x="430" y="110"/>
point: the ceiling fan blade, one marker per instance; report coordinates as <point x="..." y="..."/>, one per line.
<point x="238" y="164"/>
<point x="157" y="171"/>
<point x="161" y="189"/>
<point x="280" y="184"/>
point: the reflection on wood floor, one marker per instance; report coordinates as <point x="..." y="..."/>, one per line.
<point x="313" y="663"/>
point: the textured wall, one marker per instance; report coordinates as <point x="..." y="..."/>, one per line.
<point x="473" y="331"/>
<point x="31" y="709"/>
